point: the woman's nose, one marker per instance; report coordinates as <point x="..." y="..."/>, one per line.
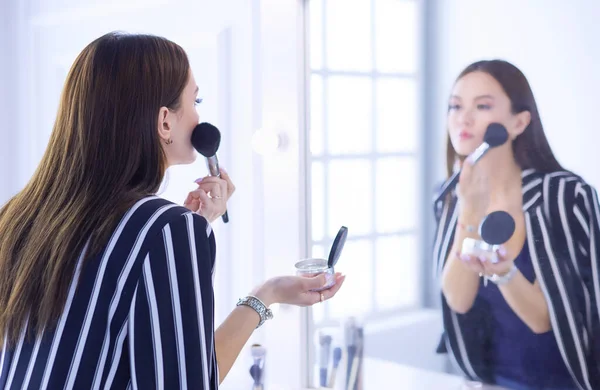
<point x="465" y="117"/>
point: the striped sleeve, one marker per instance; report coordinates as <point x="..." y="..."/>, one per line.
<point x="586" y="228"/>
<point x="444" y="236"/>
<point x="170" y="330"/>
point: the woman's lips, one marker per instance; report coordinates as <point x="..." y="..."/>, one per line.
<point x="465" y="135"/>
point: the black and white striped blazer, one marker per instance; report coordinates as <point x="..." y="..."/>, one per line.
<point x="562" y="218"/>
<point x="141" y="316"/>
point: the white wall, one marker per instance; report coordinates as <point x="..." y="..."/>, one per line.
<point x="8" y="106"/>
<point x="554" y="42"/>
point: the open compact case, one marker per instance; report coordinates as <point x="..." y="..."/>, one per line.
<point x="495" y="229"/>
<point x="316" y="266"/>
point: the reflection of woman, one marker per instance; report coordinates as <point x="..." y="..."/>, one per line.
<point x="103" y="284"/>
<point x="535" y="324"/>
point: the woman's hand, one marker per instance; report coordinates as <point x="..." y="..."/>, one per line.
<point x="473" y="189"/>
<point x="295" y="290"/>
<point x="211" y="196"/>
<point x="485" y="266"/>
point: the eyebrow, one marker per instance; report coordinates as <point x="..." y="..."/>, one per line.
<point x="478" y="97"/>
<point x="196" y="90"/>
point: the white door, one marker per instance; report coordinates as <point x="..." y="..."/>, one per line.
<point x="240" y="52"/>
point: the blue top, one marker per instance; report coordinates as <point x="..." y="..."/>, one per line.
<point x="517" y="353"/>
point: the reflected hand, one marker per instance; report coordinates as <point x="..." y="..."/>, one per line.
<point x="502" y="266"/>
<point x="484" y="266"/>
<point x="473" y="188"/>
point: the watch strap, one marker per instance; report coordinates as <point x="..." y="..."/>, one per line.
<point x="263" y="311"/>
<point x="501" y="280"/>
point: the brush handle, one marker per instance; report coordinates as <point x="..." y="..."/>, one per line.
<point x="350" y="360"/>
<point x="447" y="188"/>
<point x="332" y="375"/>
<point x="352" y="379"/>
<point x="323" y="377"/>
<point x="478" y="153"/>
<point x="212" y="163"/>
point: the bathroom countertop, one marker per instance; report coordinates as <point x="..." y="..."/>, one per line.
<point x="382" y="374"/>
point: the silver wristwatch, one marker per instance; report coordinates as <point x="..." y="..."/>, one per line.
<point x="500" y="280"/>
<point x="263" y="311"/>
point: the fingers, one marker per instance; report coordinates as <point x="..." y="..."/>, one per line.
<point x="330" y="292"/>
<point x="472" y="262"/>
<point x="314" y="297"/>
<point x="214" y="189"/>
<point x="187" y="200"/>
<point x="487" y="267"/>
<point x="465" y="173"/>
<point x="223" y="189"/>
<point x="203" y="200"/>
<point x="501" y="253"/>
<point x="230" y="186"/>
<point x="208" y="179"/>
<point x="471" y="174"/>
<point x="209" y="183"/>
<point x="224" y="180"/>
<point x="192" y="202"/>
<point x="500" y="267"/>
<point x="314" y="282"/>
<point x="468" y="178"/>
<point x="324" y="295"/>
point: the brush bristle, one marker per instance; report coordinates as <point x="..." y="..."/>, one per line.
<point x="325" y="339"/>
<point x="495" y="135"/>
<point x="206" y="139"/>
<point x="337" y="356"/>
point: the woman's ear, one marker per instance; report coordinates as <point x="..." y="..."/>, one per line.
<point x="164" y="124"/>
<point x="522" y="120"/>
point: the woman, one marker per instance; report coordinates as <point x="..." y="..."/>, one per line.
<point x="103" y="284"/>
<point x="536" y="324"/>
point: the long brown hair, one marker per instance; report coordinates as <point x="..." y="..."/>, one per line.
<point x="104" y="154"/>
<point x="531" y="149"/>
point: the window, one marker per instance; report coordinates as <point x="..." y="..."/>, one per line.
<point x="363" y="158"/>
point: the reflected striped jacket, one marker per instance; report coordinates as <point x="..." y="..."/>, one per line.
<point x="141" y="317"/>
<point x="562" y="218"/>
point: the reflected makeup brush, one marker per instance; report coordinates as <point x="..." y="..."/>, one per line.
<point x="355" y="377"/>
<point x="350" y="338"/>
<point x="337" y="357"/>
<point x="325" y="349"/>
<point x="257" y="370"/>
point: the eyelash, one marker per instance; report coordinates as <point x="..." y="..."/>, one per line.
<point x="479" y="106"/>
<point x="198" y="101"/>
